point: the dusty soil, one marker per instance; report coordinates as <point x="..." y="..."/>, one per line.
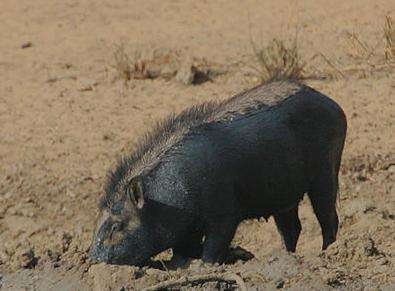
<point x="66" y="115"/>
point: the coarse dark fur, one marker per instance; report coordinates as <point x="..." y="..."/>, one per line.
<point x="163" y="130"/>
<point x="179" y="125"/>
<point x="196" y="175"/>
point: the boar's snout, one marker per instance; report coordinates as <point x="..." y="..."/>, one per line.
<point x="113" y="244"/>
<point x="124" y="253"/>
<point x="97" y="253"/>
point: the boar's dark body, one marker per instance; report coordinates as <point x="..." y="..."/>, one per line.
<point x="254" y="155"/>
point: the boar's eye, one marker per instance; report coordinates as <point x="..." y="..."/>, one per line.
<point x="117" y="226"/>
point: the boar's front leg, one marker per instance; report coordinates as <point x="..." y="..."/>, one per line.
<point x="288" y="224"/>
<point x="217" y="240"/>
<point x="190" y="247"/>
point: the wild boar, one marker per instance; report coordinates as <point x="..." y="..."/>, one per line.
<point x="198" y="174"/>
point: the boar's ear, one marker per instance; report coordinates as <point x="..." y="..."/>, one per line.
<point x="135" y="192"/>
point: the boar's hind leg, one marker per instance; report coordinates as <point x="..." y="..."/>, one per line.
<point x="288" y="224"/>
<point x="217" y="241"/>
<point x="322" y="194"/>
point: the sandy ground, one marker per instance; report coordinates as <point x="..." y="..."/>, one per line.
<point x="66" y="116"/>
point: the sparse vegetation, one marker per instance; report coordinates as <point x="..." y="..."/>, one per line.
<point x="133" y="68"/>
<point x="366" y="58"/>
<point x="277" y="60"/>
<point x="163" y="63"/>
<point x="389" y="38"/>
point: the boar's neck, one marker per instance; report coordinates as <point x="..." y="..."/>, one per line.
<point x="167" y="223"/>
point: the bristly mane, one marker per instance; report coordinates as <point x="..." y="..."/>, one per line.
<point x="172" y="129"/>
<point x="162" y="133"/>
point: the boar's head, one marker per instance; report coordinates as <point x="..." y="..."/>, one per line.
<point x="121" y="236"/>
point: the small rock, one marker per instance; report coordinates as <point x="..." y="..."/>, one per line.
<point x="109" y="136"/>
<point x="201" y="75"/>
<point x="386" y="215"/>
<point x="26" y="45"/>
<point x="28" y="200"/>
<point x="279" y="283"/>
<point x="189" y="74"/>
<point x="87" y="85"/>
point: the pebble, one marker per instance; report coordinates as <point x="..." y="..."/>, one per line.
<point x="26" y="44"/>
<point x="279" y="283"/>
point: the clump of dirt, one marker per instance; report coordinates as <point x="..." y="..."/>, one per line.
<point x="28" y="259"/>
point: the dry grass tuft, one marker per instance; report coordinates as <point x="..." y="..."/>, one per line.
<point x="132" y="68"/>
<point x="122" y="62"/>
<point x="389" y="38"/>
<point x="367" y="59"/>
<point x="278" y="61"/>
<point x="359" y="50"/>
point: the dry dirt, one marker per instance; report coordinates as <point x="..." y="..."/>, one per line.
<point x="66" y="115"/>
